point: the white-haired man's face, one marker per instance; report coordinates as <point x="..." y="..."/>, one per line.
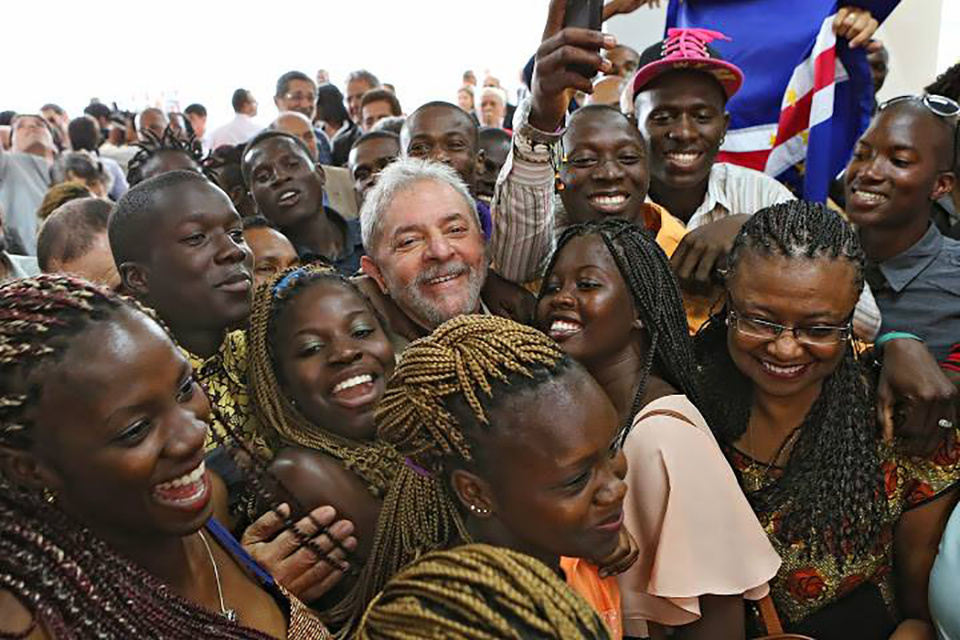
<point x="429" y="254"/>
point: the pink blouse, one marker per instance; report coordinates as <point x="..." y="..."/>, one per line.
<point x="696" y="531"/>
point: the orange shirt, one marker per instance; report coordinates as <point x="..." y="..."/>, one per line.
<point x="603" y="594"/>
<point x="670" y="231"/>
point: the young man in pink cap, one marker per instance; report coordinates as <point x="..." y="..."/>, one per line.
<point x="680" y="95"/>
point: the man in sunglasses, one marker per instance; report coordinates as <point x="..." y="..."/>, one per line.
<point x="901" y="166"/>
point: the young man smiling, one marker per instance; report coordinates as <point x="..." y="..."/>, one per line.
<point x="901" y="166"/>
<point x="178" y="245"/>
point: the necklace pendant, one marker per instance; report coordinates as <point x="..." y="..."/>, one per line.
<point x="230" y="615"/>
<point x="752" y="480"/>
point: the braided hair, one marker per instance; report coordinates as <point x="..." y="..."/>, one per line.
<point x="375" y="463"/>
<point x="479" y="592"/>
<point x="656" y="299"/>
<point x="71" y="581"/>
<point x="831" y="486"/>
<point x="152" y="146"/>
<point x="466" y="362"/>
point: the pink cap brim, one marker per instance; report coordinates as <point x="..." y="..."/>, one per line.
<point x="728" y="75"/>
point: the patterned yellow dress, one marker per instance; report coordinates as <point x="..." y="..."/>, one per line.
<point x="805" y="586"/>
<point x="223" y="377"/>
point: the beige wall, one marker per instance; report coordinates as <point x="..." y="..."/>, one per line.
<point x="641" y="28"/>
<point x="912" y="36"/>
<point x="949" y="36"/>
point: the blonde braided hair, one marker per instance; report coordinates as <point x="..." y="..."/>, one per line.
<point x="375" y="463"/>
<point x="463" y="357"/>
<point x="479" y="592"/>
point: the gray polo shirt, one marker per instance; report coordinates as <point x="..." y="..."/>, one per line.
<point x="24" y="179"/>
<point x="920" y="292"/>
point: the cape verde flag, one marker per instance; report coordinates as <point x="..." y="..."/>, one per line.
<point x="806" y="96"/>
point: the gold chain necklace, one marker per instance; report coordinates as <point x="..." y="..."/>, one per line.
<point x="753" y="478"/>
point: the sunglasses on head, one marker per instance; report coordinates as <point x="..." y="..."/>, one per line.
<point x="938" y="105"/>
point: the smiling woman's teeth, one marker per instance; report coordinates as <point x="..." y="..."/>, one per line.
<point x="564" y="328"/>
<point x="189" y="491"/>
<point x="185" y="479"/>
<point x="289" y="195"/>
<point x="349" y="383"/>
<point x="783" y="371"/>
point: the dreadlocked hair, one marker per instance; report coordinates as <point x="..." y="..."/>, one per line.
<point x="375" y="462"/>
<point x="71" y="581"/>
<point x="830" y="490"/>
<point x="152" y="145"/>
<point x="646" y="271"/>
<point x="479" y="592"/>
<point x="462" y="362"/>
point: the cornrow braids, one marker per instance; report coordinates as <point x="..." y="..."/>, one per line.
<point x="479" y="592"/>
<point x="463" y="360"/>
<point x="70" y="581"/>
<point x="375" y="463"/>
<point x="153" y="145"/>
<point x="831" y="487"/>
<point x="653" y="287"/>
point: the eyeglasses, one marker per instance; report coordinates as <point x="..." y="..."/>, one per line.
<point x="942" y="106"/>
<point x="300" y="97"/>
<point x="816" y="335"/>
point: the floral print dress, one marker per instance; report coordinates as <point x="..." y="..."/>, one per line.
<point x="805" y="585"/>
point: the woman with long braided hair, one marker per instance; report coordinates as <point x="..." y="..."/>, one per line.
<point x="319" y="359"/>
<point x="610" y="299"/>
<point x="479" y="592"/>
<point x="798" y="424"/>
<point x="105" y="528"/>
<point x="507" y="442"/>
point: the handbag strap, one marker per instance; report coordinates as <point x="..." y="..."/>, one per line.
<point x="666" y="412"/>
<point x="768" y="612"/>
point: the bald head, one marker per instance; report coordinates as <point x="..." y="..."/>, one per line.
<point x="74" y="240"/>
<point x="299" y="126"/>
<point x="919" y="119"/>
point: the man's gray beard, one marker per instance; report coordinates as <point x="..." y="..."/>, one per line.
<point x="421" y="311"/>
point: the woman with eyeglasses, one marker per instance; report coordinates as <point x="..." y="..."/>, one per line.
<point x="855" y="519"/>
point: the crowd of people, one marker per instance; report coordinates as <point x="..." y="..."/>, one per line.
<point x="480" y="369"/>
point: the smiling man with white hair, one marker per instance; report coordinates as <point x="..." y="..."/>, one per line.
<point x="425" y="248"/>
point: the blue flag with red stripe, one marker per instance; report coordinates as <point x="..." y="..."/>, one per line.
<point x="806" y="95"/>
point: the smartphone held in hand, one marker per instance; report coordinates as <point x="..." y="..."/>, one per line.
<point x="584" y="14"/>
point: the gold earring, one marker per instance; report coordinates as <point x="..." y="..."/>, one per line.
<point x="49" y="495"/>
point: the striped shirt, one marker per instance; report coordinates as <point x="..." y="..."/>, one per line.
<point x="525" y="218"/>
